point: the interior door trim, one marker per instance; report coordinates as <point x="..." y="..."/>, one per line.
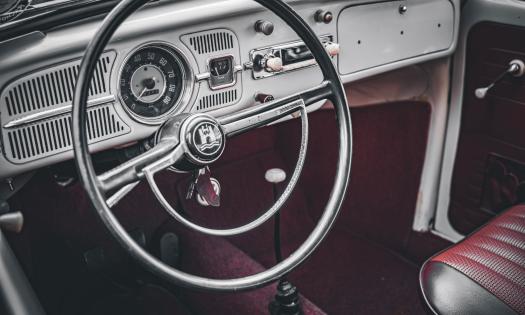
<point x="510" y="12"/>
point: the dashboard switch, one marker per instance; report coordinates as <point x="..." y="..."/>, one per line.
<point x="265" y="27"/>
<point x="322" y="16"/>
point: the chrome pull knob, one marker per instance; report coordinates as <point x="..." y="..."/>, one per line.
<point x="268" y="62"/>
<point x="322" y="16"/>
<point x="516" y="69"/>
<point x="274" y="64"/>
<point x="333" y="49"/>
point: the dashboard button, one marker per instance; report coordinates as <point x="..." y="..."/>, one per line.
<point x="265" y="27"/>
<point x="333" y="49"/>
<point x="264" y="98"/>
<point x="322" y="16"/>
<point x="274" y="64"/>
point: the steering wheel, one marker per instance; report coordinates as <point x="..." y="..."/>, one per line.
<point x="178" y="142"/>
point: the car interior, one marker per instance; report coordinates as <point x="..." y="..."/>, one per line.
<point x="280" y="157"/>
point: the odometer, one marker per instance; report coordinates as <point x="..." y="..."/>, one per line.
<point x="151" y="82"/>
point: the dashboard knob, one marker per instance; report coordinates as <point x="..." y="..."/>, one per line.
<point x="264" y="98"/>
<point x="322" y="16"/>
<point x="265" y="27"/>
<point x="333" y="49"/>
<point x="274" y="64"/>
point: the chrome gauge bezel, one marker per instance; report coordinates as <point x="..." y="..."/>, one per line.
<point x="186" y="89"/>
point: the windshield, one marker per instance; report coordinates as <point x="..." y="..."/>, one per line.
<point x="11" y="10"/>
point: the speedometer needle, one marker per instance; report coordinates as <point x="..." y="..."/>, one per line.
<point x="148" y="85"/>
<point x="142" y="93"/>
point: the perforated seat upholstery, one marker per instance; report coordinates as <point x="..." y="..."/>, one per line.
<point x="484" y="273"/>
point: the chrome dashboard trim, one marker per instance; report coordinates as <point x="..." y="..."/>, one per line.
<point x="289" y="68"/>
<point x="206" y="76"/>
<point x="54" y="112"/>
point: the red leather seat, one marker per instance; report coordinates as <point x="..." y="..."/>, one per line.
<point x="484" y="273"/>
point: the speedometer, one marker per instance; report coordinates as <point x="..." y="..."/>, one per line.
<point x="152" y="83"/>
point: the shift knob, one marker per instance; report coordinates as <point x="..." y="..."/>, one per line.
<point x="275" y="176"/>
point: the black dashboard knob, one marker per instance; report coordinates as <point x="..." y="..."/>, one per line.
<point x="264" y="98"/>
<point x="322" y="16"/>
<point x="265" y="27"/>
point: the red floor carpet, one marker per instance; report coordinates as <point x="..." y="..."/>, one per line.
<point x="361" y="268"/>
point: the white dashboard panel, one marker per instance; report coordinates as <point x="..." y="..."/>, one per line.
<point x="175" y="23"/>
<point x="380" y="33"/>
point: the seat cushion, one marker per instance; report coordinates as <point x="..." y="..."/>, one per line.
<point x="484" y="273"/>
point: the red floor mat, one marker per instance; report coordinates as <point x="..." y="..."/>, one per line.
<point x="349" y="274"/>
<point x="346" y="275"/>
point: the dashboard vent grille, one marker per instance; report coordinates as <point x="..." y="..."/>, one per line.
<point x="211" y="101"/>
<point x="52" y="136"/>
<point x="211" y="42"/>
<point x="54" y="87"/>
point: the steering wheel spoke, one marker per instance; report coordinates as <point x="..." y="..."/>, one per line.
<point x="131" y="171"/>
<point x="120" y="194"/>
<point x="266" y="113"/>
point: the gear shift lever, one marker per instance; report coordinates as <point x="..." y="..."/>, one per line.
<point x="276" y="176"/>
<point x="286" y="300"/>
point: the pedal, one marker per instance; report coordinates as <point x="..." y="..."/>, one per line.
<point x="170" y="249"/>
<point x="109" y="258"/>
<point x="10" y="221"/>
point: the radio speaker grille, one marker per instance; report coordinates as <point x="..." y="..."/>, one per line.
<point x="208" y="42"/>
<point x="52" y="136"/>
<point x="212" y="101"/>
<point x="54" y="87"/>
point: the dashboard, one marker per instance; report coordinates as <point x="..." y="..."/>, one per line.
<point x="207" y="56"/>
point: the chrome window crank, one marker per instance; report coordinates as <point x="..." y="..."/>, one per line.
<point x="516" y="68"/>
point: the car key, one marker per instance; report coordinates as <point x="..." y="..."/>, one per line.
<point x="206" y="190"/>
<point x="193" y="184"/>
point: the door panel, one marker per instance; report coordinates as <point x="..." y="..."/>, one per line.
<point x="489" y="172"/>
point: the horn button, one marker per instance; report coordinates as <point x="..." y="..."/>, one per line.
<point x="201" y="136"/>
<point x="205" y="139"/>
